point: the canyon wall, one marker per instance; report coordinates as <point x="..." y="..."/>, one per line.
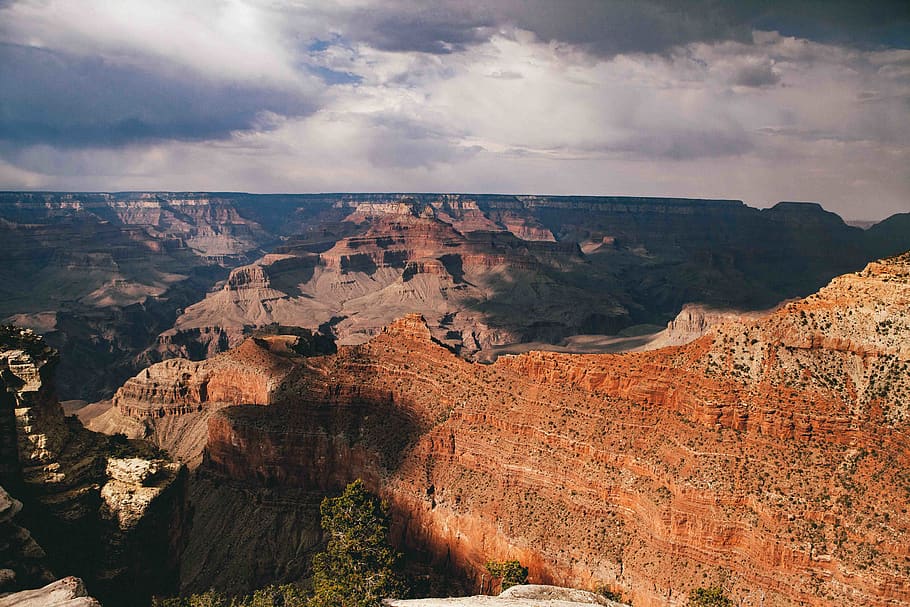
<point x="102" y="508"/>
<point x="769" y="456"/>
<point x="117" y="281"/>
<point x="476" y="290"/>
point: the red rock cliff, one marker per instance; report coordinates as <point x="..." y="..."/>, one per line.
<point x="770" y="456"/>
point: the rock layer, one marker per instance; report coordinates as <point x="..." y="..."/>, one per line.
<point x="108" y="274"/>
<point x="477" y="289"/>
<point x="770" y="455"/>
<point x="116" y="521"/>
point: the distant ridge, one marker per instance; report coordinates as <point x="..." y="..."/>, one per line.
<point x="123" y="279"/>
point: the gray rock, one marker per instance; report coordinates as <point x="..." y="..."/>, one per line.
<point x="66" y="592"/>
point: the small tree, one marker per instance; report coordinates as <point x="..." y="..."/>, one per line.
<point x="209" y="598"/>
<point x="511" y="573"/>
<point x="709" y="597"/>
<point x="358" y="566"/>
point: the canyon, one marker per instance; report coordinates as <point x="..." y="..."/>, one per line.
<point x="769" y="455"/>
<point x="117" y="281"/>
<point x="106" y="509"/>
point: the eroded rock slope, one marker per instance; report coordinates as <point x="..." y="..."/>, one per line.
<point x="117" y="281"/>
<point x="769" y="456"/>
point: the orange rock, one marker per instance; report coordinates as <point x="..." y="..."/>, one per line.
<point x="770" y="455"/>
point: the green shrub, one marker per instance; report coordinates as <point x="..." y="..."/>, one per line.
<point x="511" y="573"/>
<point x="358" y="567"/>
<point x="709" y="597"/>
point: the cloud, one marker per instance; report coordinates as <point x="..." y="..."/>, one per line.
<point x="682" y="144"/>
<point x="396" y="142"/>
<point x="755" y="75"/>
<point x="606" y="28"/>
<point x="574" y="97"/>
<point x="70" y="100"/>
<point x="226" y="40"/>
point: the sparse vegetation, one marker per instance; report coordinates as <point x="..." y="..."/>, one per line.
<point x="26" y="340"/>
<point x="286" y="595"/>
<point x="510" y="573"/>
<point x="357" y="569"/>
<point x="709" y="597"/>
<point x="611" y="595"/>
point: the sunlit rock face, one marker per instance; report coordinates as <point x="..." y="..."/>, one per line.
<point x="476" y="290"/>
<point x="117" y="281"/>
<point x="768" y="455"/>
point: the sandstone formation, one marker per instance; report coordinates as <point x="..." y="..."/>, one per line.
<point x="67" y="592"/>
<point x="100" y="507"/>
<point x="170" y="402"/>
<point x="477" y="290"/>
<point x="109" y="274"/>
<point x="769" y="456"/>
<point x="693" y="321"/>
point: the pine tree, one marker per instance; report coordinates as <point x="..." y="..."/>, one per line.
<point x="510" y="573"/>
<point x="358" y="566"/>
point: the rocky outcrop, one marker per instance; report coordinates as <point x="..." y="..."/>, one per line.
<point x="477" y="290"/>
<point x="67" y="592"/>
<point x="694" y="321"/>
<point x="517" y="596"/>
<point x="22" y="560"/>
<point x="109" y="274"/>
<point x="650" y="472"/>
<point x="248" y="374"/>
<point x="110" y="511"/>
<point x="170" y="402"/>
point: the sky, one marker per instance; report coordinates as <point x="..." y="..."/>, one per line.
<point x="758" y="100"/>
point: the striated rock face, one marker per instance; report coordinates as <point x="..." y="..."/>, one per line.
<point x="116" y="521"/>
<point x="769" y="456"/>
<point x="477" y="289"/>
<point x="693" y="321"/>
<point x="108" y="274"/>
<point x="248" y="374"/>
<point x="67" y="592"/>
<point x="170" y="402"/>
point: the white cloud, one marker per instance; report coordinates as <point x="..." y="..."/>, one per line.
<point x="219" y="39"/>
<point x="775" y="118"/>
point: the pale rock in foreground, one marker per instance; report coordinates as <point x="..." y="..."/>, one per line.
<point x="66" y="592"/>
<point x="529" y="595"/>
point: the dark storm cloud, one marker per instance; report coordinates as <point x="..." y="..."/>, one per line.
<point x="429" y="30"/>
<point x="868" y="25"/>
<point x="606" y="27"/>
<point x="69" y="100"/>
<point x="611" y="27"/>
